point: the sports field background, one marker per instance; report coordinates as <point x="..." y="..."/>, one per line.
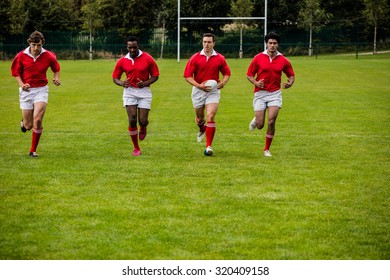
<point x="323" y="195"/>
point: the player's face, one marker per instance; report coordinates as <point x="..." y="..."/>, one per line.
<point x="132" y="46"/>
<point x="36" y="48"/>
<point x="208" y="44"/>
<point x="272" y="45"/>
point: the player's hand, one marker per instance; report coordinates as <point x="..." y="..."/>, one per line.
<point x="140" y="83"/>
<point x="56" y="82"/>
<point x="260" y="83"/>
<point x="286" y="85"/>
<point x="26" y="87"/>
<point x="125" y="84"/>
<point x="203" y="87"/>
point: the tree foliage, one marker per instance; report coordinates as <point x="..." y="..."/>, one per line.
<point x="311" y="15"/>
<point x="91" y="14"/>
<point x="136" y="17"/>
<point x="241" y="8"/>
<point x="375" y="11"/>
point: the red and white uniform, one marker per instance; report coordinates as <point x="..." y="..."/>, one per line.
<point x="32" y="70"/>
<point x="203" y="68"/>
<point x="264" y="67"/>
<point x="138" y="69"/>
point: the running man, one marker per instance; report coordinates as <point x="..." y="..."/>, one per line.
<point x="141" y="71"/>
<point x="201" y="67"/>
<point x="265" y="73"/>
<point x="29" y="68"/>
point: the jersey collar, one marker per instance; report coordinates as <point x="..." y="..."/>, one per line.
<point x="129" y="57"/>
<point x="213" y="53"/>
<point x="207" y="57"/>
<point x="277" y="54"/>
<point x="27" y="51"/>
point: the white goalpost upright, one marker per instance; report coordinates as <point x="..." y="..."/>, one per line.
<point x="179" y="19"/>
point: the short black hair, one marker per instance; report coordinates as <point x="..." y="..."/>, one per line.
<point x="132" y="39"/>
<point x="209" y="35"/>
<point x="272" y="35"/>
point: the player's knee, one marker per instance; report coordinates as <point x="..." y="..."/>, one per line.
<point x="260" y="125"/>
<point x="199" y="121"/>
<point x="132" y="122"/>
<point x="37" y="122"/>
<point x="28" y="126"/>
<point x="143" y="123"/>
<point x="210" y="117"/>
<point x="271" y="122"/>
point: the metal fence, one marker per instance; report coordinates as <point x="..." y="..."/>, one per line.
<point x="76" y="45"/>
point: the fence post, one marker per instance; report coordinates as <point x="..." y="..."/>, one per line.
<point x="357" y="50"/>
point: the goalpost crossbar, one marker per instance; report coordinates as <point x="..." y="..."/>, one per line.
<point x="220" y="18"/>
<point x="179" y="18"/>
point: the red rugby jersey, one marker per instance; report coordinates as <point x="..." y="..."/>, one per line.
<point x="203" y="69"/>
<point x="33" y="71"/>
<point x="263" y="67"/>
<point x="142" y="67"/>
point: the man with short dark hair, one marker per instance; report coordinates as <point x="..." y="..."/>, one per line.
<point x="201" y="67"/>
<point x="29" y="68"/>
<point x="141" y="71"/>
<point x="265" y="72"/>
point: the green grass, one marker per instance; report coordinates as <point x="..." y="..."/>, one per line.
<point x="323" y="195"/>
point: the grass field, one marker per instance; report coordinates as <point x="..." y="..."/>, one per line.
<point x="323" y="195"/>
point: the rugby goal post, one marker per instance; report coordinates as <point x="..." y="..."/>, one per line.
<point x="179" y="19"/>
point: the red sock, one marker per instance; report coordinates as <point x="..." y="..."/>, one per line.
<point x="133" y="131"/>
<point x="36" y="135"/>
<point x="210" y="131"/>
<point x="201" y="125"/>
<point x="268" y="141"/>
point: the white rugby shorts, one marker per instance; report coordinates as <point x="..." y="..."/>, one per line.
<point x="33" y="95"/>
<point x="264" y="99"/>
<point x="141" y="97"/>
<point x="200" y="98"/>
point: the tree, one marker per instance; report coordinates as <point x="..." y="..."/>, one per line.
<point x="59" y="15"/>
<point x="162" y="16"/>
<point x="241" y="8"/>
<point x="375" y="11"/>
<point x="311" y="16"/>
<point x="204" y="8"/>
<point x="278" y="11"/>
<point x="344" y="11"/>
<point x="92" y="19"/>
<point x="18" y="16"/>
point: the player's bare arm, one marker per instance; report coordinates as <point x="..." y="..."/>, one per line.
<point x="258" y="84"/>
<point x="120" y="83"/>
<point x="147" y="83"/>
<point x="225" y="79"/>
<point x="24" y="86"/>
<point x="56" y="79"/>
<point x="290" y="82"/>
<point x="202" y="86"/>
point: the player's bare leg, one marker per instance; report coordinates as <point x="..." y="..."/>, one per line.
<point x="257" y="121"/>
<point x="200" y="122"/>
<point x="27" y="120"/>
<point x="132" y="128"/>
<point x="143" y="115"/>
<point x="211" y="111"/>
<point x="273" y="112"/>
<point x="260" y="117"/>
<point x="38" y="114"/>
